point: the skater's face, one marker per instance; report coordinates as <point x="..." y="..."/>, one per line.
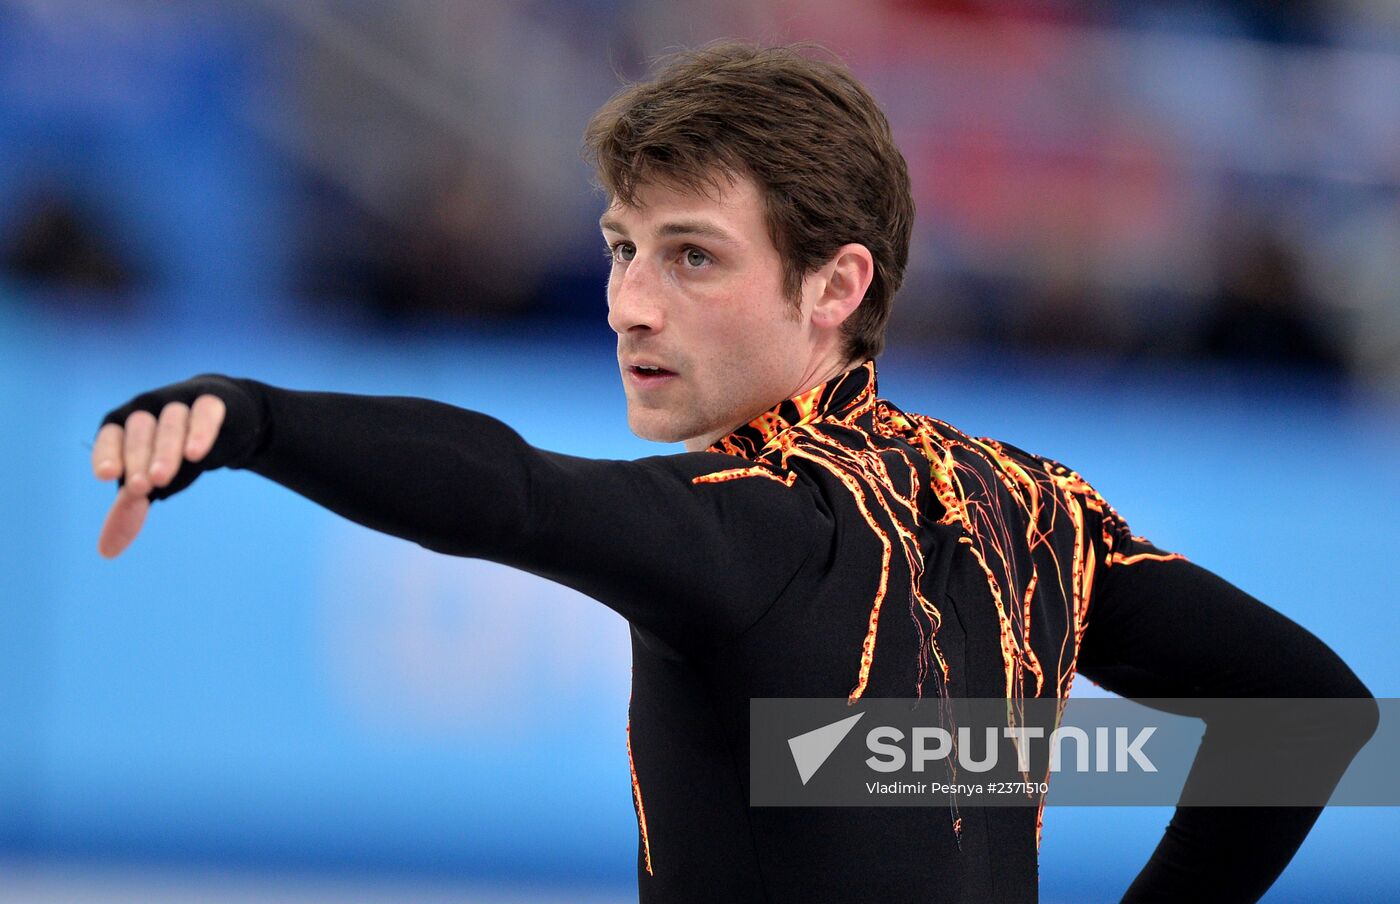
<point x="707" y="338"/>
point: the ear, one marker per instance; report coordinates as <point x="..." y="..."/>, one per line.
<point x="840" y="285"/>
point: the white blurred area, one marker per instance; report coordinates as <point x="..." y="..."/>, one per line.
<point x="22" y="883"/>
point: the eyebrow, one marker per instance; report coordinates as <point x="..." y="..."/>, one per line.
<point x="685" y="227"/>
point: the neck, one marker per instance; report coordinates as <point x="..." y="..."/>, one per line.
<point x="831" y="372"/>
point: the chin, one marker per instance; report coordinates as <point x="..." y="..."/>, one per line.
<point x="660" y="429"/>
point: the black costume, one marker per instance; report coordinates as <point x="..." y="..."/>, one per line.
<point x="834" y="546"/>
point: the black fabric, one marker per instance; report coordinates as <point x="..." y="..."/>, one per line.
<point x="245" y="420"/>
<point x="1175" y="629"/>
<point x="749" y="573"/>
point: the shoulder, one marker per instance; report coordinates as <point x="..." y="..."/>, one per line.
<point x="947" y="445"/>
<point x="734" y="483"/>
<point x="700" y="468"/>
<point x="984" y="469"/>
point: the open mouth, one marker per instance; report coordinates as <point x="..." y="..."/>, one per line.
<point x="649" y="371"/>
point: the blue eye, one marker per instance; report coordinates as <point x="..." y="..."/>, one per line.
<point x="696" y="258"/>
<point x="622" y="252"/>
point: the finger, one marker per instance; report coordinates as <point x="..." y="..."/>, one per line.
<point x="124" y="521"/>
<point x="205" y="420"/>
<point x="170" y="442"/>
<point x="107" y="452"/>
<point x="140" y="434"/>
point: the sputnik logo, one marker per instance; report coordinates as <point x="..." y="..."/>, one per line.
<point x="811" y="749"/>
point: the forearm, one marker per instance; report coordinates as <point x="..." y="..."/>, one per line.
<point x="1236" y="853"/>
<point x="1173" y="629"/>
<point x="1221" y="854"/>
<point x="452" y="480"/>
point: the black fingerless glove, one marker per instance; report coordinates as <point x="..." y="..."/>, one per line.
<point x="241" y="436"/>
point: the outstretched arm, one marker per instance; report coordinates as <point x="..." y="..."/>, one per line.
<point x="693" y="563"/>
<point x="1174" y="629"/>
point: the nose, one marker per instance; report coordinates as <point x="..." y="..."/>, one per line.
<point x="634" y="299"/>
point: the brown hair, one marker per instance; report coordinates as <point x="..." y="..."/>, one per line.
<point x="810" y="135"/>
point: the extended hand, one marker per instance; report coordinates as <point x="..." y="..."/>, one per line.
<point x="154" y="457"/>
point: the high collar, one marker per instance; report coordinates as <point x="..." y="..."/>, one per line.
<point x="841" y="398"/>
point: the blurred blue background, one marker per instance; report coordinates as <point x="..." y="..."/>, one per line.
<point x="1159" y="242"/>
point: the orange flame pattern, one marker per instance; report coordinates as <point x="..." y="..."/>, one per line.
<point x="637" y="797"/>
<point x="1007" y="504"/>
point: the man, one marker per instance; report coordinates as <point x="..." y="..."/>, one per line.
<point x="813" y="541"/>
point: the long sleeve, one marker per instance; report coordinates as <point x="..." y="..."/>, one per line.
<point x="694" y="563"/>
<point x="1174" y="629"/>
